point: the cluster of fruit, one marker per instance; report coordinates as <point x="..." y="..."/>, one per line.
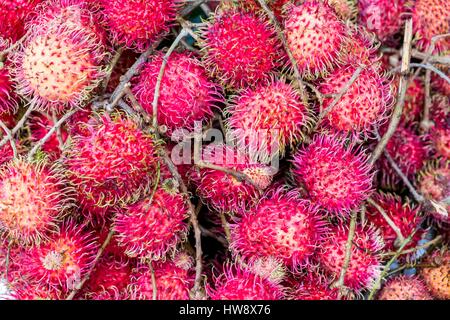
<point x="333" y="182"/>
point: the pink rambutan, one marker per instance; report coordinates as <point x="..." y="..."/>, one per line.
<point x="361" y="48"/>
<point x="281" y="226"/>
<point x="440" y="137"/>
<point x="59" y="65"/>
<point x="433" y="183"/>
<point x="63" y="261"/>
<point x="172" y="282"/>
<point x="437" y="277"/>
<point x="335" y="177"/>
<point x="431" y="18"/>
<point x="6" y="153"/>
<point x="186" y="95"/>
<point x="365" y="263"/>
<point x="152" y="227"/>
<point x="402" y="213"/>
<point x="240" y="49"/>
<point x="111" y="163"/>
<point x="409" y="152"/>
<point x="414" y="101"/>
<point x="24" y="291"/>
<point x="315" y="286"/>
<point x="236" y="283"/>
<point x="404" y="288"/>
<point x="223" y="191"/>
<point x="382" y="17"/>
<point x="8" y="103"/>
<point x="273" y="114"/>
<point x="345" y="9"/>
<point x="32" y="198"/>
<point x="40" y="124"/>
<point x="77" y="124"/>
<point x="136" y="24"/>
<point x="365" y="104"/>
<point x="315" y="36"/>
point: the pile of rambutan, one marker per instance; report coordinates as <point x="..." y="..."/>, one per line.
<point x="224" y="150"/>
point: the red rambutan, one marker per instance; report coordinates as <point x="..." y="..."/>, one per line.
<point x="414" y="101"/>
<point x="335" y="177"/>
<point x="346" y="9"/>
<point x="404" y="288"/>
<point x="437" y="277"/>
<point x="8" y="103"/>
<point x="439" y="84"/>
<point x="315" y="286"/>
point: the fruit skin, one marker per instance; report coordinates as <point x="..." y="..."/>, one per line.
<point x="8" y="99"/>
<point x="25" y="291"/>
<point x="172" y="282"/>
<point x="365" y="265"/>
<point x="33" y="197"/>
<point x="282" y="226"/>
<point x="364" y="106"/>
<point x="315" y="36"/>
<point x="345" y="9"/>
<point x="240" y="49"/>
<point x="433" y="182"/>
<point x="236" y="283"/>
<point x="431" y="18"/>
<point x="152" y="227"/>
<point x="361" y="47"/>
<point x="61" y="262"/>
<point x="382" y="17"/>
<point x="336" y="177"/>
<point x="414" y="101"/>
<point x="137" y="24"/>
<point x="314" y="286"/>
<point x="59" y="66"/>
<point x="436" y="278"/>
<point x="440" y="85"/>
<point x="405" y="216"/>
<point x="404" y="288"/>
<point x="187" y="94"/>
<point x="111" y="163"/>
<point x="270" y="108"/>
<point x="222" y="191"/>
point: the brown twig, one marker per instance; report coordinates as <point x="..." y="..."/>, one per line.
<point x="136" y="105"/>
<point x="9" y="135"/>
<point x="431" y="59"/>
<point x="387" y="219"/>
<point x="225" y="226"/>
<point x="58" y="131"/>
<point x="211" y="234"/>
<point x="112" y="65"/>
<point x="411" y="250"/>
<point x="18" y="126"/>
<point x="397" y="113"/>
<point x="154" y="287"/>
<point x="425" y="124"/>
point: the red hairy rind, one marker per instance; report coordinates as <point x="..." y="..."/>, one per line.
<point x="336" y="177"/>
<point x="314" y="286"/>
<point x="63" y="261"/>
<point x="24" y="291"/>
<point x="431" y="18"/>
<point x="33" y="196"/>
<point x="281" y="226"/>
<point x="272" y="113"/>
<point x="404" y="288"/>
<point x="433" y="183"/>
<point x="136" y="24"/>
<point x="365" y="263"/>
<point x="240" y="49"/>
<point x="8" y="100"/>
<point x="277" y="6"/>
<point x="405" y="216"/>
<point x="222" y="191"/>
<point x="172" y="282"/>
<point x="236" y="283"/>
<point x="382" y="17"/>
<point x="59" y="65"/>
<point x="436" y="278"/>
<point x="186" y="95"/>
<point x="364" y="106"/>
<point x="439" y="84"/>
<point x="414" y="101"/>
<point x="152" y="227"/>
<point x="315" y="36"/>
<point x="110" y="163"/>
<point x="345" y="9"/>
<point x="361" y="48"/>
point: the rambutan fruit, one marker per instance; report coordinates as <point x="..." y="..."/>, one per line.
<point x="365" y="104"/>
<point x="223" y="191"/>
<point x="402" y="213"/>
<point x="240" y="49"/>
<point x="382" y="17"/>
<point x="236" y="283"/>
<point x="40" y="124"/>
<point x="276" y="6"/>
<point x="281" y="226"/>
<point x="315" y="36"/>
<point x="345" y="9"/>
<point x="433" y="183"/>
<point x="111" y="163"/>
<point x="172" y="282"/>
<point x="109" y="280"/>
<point x="440" y="137"/>
<point x="63" y="261"/>
<point x="437" y="277"/>
<point x="439" y="84"/>
<point x="33" y="197"/>
<point x="273" y="114"/>
<point x="414" y="101"/>
<point x="314" y="286"/>
<point x="409" y="152"/>
<point x="6" y="153"/>
<point x="365" y="263"/>
<point x="8" y="103"/>
<point x="126" y="60"/>
<point x="270" y="268"/>
<point x="336" y="177"/>
<point x="59" y="65"/>
<point x="431" y="18"/>
<point x="186" y="95"/>
<point x="77" y="124"/>
<point x="404" y="288"/>
<point x="361" y="48"/>
<point x="136" y="24"/>
<point x="152" y="227"/>
<point x="24" y="291"/>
